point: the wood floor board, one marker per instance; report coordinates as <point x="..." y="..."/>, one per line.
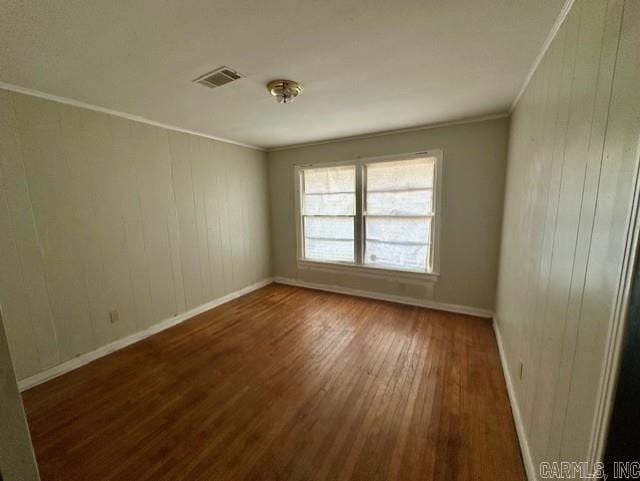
<point x="286" y="384"/>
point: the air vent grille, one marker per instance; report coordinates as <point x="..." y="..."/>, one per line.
<point x="219" y="77"/>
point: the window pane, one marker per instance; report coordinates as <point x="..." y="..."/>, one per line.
<point x="329" y="204"/>
<point x="415" y="230"/>
<point x="330" y="179"/>
<point x="329" y="228"/>
<point x="402" y="174"/>
<point x="413" y="202"/>
<point x="329" y="250"/>
<point x="396" y="256"/>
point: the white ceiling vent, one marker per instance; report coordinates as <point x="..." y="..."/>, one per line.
<point x="219" y="77"/>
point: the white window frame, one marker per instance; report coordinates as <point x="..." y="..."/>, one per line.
<point x="358" y="267"/>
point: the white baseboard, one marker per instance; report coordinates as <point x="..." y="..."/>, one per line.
<point x="86" y="358"/>
<point x="532" y="473"/>
<point x="441" y="306"/>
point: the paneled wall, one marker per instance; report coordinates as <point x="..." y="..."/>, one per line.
<point x="473" y="170"/>
<point x="573" y="158"/>
<point x="99" y="213"/>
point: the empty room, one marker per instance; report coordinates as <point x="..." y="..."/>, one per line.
<point x="281" y="240"/>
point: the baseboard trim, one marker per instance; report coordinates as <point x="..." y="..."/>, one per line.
<point x="532" y="474"/>
<point x="440" y="306"/>
<point x="88" y="357"/>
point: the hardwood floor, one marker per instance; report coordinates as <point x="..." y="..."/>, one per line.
<point x="286" y="384"/>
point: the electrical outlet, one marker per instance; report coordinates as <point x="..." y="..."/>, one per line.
<point x="520" y="369"/>
<point x="114" y="316"/>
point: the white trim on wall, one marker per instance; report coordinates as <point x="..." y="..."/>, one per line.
<point x="137" y="118"/>
<point x="440" y="306"/>
<point x="545" y="46"/>
<point x="117" y="113"/>
<point x="527" y="460"/>
<point x="368" y="271"/>
<point x="83" y="359"/>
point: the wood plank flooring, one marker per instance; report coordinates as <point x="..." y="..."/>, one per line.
<point x="286" y="384"/>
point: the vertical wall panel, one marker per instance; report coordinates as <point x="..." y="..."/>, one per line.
<point x="211" y="199"/>
<point x="547" y="187"/>
<point x="185" y="204"/>
<point x="153" y="174"/>
<point x="133" y="226"/>
<point x="19" y="229"/>
<point x="592" y="78"/>
<point x="217" y="234"/>
<point x="552" y="162"/>
<point x="103" y="214"/>
<point x="182" y="178"/>
<point x="200" y="186"/>
<point x="71" y="277"/>
<point x="224" y="220"/>
<point x="13" y="295"/>
<point x="609" y="229"/>
<point x="109" y="257"/>
<point x="573" y="157"/>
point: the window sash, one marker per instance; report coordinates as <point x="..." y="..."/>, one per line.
<point x="424" y="208"/>
<point x="322" y="207"/>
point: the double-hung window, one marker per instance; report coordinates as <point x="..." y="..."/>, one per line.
<point x="328" y="213"/>
<point x="373" y="214"/>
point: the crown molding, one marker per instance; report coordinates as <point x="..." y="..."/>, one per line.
<point x="116" y="113"/>
<point x="136" y="118"/>
<point x="469" y="120"/>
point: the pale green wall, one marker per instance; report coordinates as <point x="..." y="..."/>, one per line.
<point x="17" y="462"/>
<point x="572" y="161"/>
<point x="472" y="195"/>
<point x="100" y="213"/>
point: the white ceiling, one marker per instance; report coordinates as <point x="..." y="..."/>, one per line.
<point x="366" y="65"/>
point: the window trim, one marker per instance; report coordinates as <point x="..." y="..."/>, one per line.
<point x="358" y="267"/>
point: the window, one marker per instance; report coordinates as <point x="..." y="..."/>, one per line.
<point x="328" y="213"/>
<point x="373" y="214"/>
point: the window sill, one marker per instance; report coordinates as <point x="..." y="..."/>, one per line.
<point x="427" y="277"/>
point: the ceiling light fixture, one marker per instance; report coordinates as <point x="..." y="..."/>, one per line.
<point x="284" y="91"/>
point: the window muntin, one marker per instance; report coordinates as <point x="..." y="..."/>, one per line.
<point x="328" y="213"/>
<point x="372" y="213"/>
